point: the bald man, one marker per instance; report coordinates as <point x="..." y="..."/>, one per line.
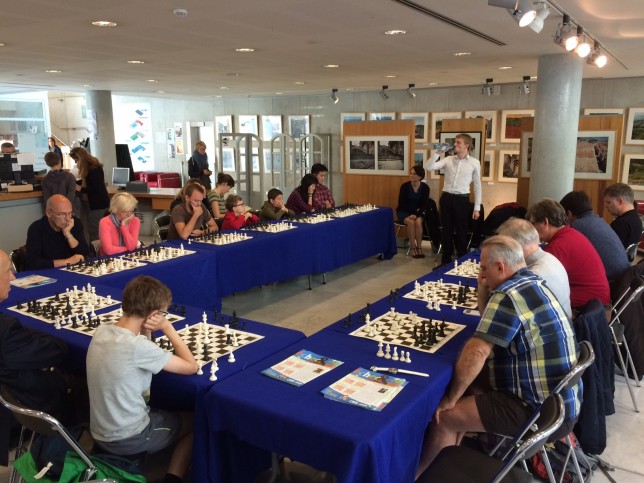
<point x="57" y="238"/>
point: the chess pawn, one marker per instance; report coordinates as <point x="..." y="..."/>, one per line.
<point x="408" y="359"/>
<point x="380" y="353"/>
<point x="213" y="370"/>
<point x="231" y="357"/>
<point x="199" y="371"/>
<point x="395" y="356"/>
<point x="387" y="352"/>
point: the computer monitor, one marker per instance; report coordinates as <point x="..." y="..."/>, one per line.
<point x="7" y="162"/>
<point x="120" y="176"/>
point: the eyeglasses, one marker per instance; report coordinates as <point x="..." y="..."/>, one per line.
<point x="240" y="204"/>
<point x="164" y="312"/>
<point x="62" y="214"/>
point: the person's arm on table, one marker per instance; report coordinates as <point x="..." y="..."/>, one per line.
<point x="182" y="362"/>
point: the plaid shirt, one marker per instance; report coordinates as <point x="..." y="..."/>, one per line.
<point x="534" y="343"/>
<point x="321" y="195"/>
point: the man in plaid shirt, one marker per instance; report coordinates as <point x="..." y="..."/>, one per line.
<point x="528" y="343"/>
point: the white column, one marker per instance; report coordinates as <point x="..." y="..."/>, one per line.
<point x="103" y="147"/>
<point x="555" y="126"/>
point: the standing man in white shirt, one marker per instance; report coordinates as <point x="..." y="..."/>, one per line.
<point x="460" y="170"/>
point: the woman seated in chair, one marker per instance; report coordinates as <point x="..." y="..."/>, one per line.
<point x="216" y="195"/>
<point x="413" y="201"/>
<point x="118" y="232"/>
<point x="238" y="214"/>
<point x="301" y="199"/>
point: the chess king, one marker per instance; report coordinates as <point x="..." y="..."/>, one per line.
<point x="120" y="420"/>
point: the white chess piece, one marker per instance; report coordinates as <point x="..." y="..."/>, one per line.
<point x="204" y="317"/>
<point x="387" y="352"/>
<point x="408" y="359"/>
<point x="380" y="353"/>
<point x="199" y="371"/>
<point x="235" y="343"/>
<point x="231" y="357"/>
<point x="213" y="370"/>
<point x="395" y="356"/>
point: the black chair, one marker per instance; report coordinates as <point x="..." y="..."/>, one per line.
<point x="631" y="251"/>
<point x="39" y="422"/>
<point x="463" y="464"/>
<point x="162" y="220"/>
<point x="18" y="257"/>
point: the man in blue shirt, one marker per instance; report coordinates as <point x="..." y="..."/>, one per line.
<point x="513" y="361"/>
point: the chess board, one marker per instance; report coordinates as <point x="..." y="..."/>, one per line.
<point x="52" y="310"/>
<point x="404" y="336"/>
<point x="104" y="266"/>
<point x="467" y="269"/>
<point x="221" y="238"/>
<point x="158" y="254"/>
<point x="271" y="227"/>
<point x="217" y="346"/>
<point x="344" y="211"/>
<point x="320" y="218"/>
<point x="445" y="294"/>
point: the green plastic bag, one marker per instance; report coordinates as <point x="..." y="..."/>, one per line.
<point x="73" y="470"/>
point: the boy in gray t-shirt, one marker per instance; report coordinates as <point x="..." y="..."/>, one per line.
<point x="120" y="363"/>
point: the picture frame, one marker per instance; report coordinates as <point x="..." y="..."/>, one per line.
<point x="271" y="126"/>
<point x="247" y="125"/>
<point x="272" y="161"/>
<point x="591" y="111"/>
<point x="510" y="125"/>
<point x="422" y="124"/>
<point x="491" y="118"/>
<point x="228" y="159"/>
<point x="223" y="124"/>
<point x="420" y="155"/>
<point x="448" y="137"/>
<point x="299" y="126"/>
<point x="635" y="126"/>
<point x="377" y="155"/>
<point x="593" y="159"/>
<point x="437" y="122"/>
<point x="350" y="117"/>
<point x="487" y="165"/>
<point x="633" y="171"/>
<point x="508" y="166"/>
<point x="382" y="116"/>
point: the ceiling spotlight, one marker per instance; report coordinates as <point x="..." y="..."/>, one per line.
<point x="524" y="88"/>
<point x="410" y="90"/>
<point x="596" y="57"/>
<point x="383" y="93"/>
<point x="334" y="97"/>
<point x="543" y="10"/>
<point x="584" y="48"/>
<point x="572" y="40"/>
<point x="487" y="89"/>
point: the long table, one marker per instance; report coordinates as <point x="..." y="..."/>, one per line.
<point x="250" y="415"/>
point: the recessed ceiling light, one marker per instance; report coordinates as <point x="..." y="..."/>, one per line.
<point x="349" y="89"/>
<point x="332" y="66"/>
<point x="104" y="23"/>
<point x="505" y="67"/>
<point x="533" y="77"/>
<point x="433" y="84"/>
<point x="136" y="61"/>
<point x="88" y="85"/>
<point x="223" y="88"/>
<point x="245" y="49"/>
<point x="233" y="74"/>
<point x="395" y="32"/>
<point x="461" y="54"/>
<point x="151" y="80"/>
<point x="299" y="83"/>
<point x="279" y="93"/>
<point x="52" y="71"/>
<point x="391" y="76"/>
<point x="2" y="45"/>
<point x="180" y="12"/>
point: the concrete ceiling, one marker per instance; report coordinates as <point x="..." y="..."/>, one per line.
<point x="194" y="56"/>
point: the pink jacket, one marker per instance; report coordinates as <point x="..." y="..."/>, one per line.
<point x="109" y="236"/>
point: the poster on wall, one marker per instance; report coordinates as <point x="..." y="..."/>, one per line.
<point x="133" y="126"/>
<point x="377" y="155"/>
<point x="178" y="138"/>
<point x="172" y="152"/>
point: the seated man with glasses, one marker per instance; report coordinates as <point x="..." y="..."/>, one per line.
<point x="57" y="238"/>
<point x="238" y="214"/>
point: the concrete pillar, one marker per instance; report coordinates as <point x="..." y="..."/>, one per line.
<point x="103" y="147"/>
<point x="555" y="126"/>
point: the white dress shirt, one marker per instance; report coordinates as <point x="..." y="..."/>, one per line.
<point x="459" y="173"/>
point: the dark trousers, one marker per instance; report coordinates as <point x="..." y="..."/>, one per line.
<point x="455" y="215"/>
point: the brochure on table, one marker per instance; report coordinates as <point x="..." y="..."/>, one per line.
<point x="366" y="389"/>
<point x="302" y="367"/>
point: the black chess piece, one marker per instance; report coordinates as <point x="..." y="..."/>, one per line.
<point x="183" y="311"/>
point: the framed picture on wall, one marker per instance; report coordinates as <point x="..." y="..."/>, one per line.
<point x="298" y="126"/>
<point x="603" y="112"/>
<point x="247" y="124"/>
<point x="350" y="117"/>
<point x="223" y="124"/>
<point x="271" y="126"/>
<point x="420" y="155"/>
<point x="227" y="162"/>
<point x="487" y="165"/>
<point x="382" y="116"/>
<point x="635" y="126"/>
<point x="421" y="119"/>
<point x="594" y="156"/>
<point x="437" y="123"/>
<point x="377" y="155"/>
<point x="490" y="118"/>
<point x="633" y="171"/>
<point x="508" y="166"/>
<point x="450" y="137"/>
<point x="511" y="124"/>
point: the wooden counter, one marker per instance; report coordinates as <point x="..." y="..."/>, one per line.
<point x="21" y="195"/>
<point x="159" y="197"/>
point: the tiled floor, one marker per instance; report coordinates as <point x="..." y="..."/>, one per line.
<point x="292" y="305"/>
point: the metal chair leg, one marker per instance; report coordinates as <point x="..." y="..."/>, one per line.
<point x="571" y="449"/>
<point x="623" y="368"/>
<point x="629" y="359"/>
<point x="546" y="463"/>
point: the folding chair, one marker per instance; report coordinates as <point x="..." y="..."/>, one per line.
<point x="162" y="221"/>
<point x="17" y="258"/>
<point x="631" y="251"/>
<point x="39" y="422"/>
<point x="630" y="296"/>
<point x="468" y="465"/>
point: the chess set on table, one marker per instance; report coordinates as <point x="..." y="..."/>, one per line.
<point x="218" y="238"/>
<point x="440" y="293"/>
<point x="350" y="210"/>
<point x="278" y="227"/>
<point x="155" y="254"/>
<point x="102" y="266"/>
<point x="408" y="331"/>
<point x="468" y="269"/>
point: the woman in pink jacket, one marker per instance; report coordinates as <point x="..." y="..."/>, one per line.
<point x="119" y="231"/>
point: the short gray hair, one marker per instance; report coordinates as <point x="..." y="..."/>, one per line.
<point x="504" y="249"/>
<point x="521" y="230"/>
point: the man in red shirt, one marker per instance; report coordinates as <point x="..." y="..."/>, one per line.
<point x="585" y="270"/>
